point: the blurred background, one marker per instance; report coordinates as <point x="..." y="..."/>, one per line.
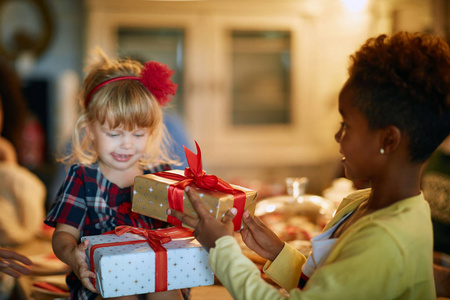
<point x="258" y="79"/>
<point x="258" y="87"/>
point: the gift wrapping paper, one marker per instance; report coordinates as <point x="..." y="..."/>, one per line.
<point x="130" y="269"/>
<point x="150" y="198"/>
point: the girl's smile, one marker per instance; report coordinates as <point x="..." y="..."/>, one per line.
<point x="121" y="157"/>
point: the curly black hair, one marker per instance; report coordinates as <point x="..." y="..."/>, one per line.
<point x="404" y="80"/>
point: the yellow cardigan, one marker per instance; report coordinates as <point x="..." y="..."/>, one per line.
<point x="384" y="255"/>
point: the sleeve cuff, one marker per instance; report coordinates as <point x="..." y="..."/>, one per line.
<point x="286" y="269"/>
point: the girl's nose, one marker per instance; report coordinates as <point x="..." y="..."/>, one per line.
<point x="126" y="143"/>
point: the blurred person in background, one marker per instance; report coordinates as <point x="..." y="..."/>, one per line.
<point x="22" y="193"/>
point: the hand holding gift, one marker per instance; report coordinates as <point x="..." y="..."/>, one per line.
<point x="257" y="236"/>
<point x="155" y="193"/>
<point x="207" y="228"/>
<point x="81" y="269"/>
<point x="68" y="250"/>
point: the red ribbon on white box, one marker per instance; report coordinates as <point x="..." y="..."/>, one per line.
<point x="155" y="239"/>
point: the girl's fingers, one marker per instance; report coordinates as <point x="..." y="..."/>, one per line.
<point x="198" y="206"/>
<point x="85" y="276"/>
<point x="84" y="245"/>
<point x="88" y="284"/>
<point x="259" y="222"/>
<point x="252" y="223"/>
<point x="13" y="263"/>
<point x="14" y="270"/>
<point x="8" y="254"/>
<point x="196" y="203"/>
<point x="229" y="216"/>
<point x="185" y="219"/>
<point x="18" y="267"/>
<point x="10" y="272"/>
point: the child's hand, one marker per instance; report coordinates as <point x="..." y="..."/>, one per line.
<point x="81" y="269"/>
<point x="207" y="228"/>
<point x="13" y="263"/>
<point x="258" y="237"/>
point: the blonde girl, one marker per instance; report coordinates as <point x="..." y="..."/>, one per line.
<point x="119" y="135"/>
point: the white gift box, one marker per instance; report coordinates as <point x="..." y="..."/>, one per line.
<point x="129" y="269"/>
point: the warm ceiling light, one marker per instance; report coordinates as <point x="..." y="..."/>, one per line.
<point x="355" y="5"/>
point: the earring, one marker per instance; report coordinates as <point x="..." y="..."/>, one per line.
<point x="382" y="151"/>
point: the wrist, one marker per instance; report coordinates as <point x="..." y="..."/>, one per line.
<point x="277" y="250"/>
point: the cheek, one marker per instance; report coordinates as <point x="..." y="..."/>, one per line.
<point x="142" y="143"/>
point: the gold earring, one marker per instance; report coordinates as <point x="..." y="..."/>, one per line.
<point x="382" y="151"/>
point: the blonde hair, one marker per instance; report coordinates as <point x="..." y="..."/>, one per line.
<point x="123" y="103"/>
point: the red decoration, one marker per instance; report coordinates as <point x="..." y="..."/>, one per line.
<point x="156" y="78"/>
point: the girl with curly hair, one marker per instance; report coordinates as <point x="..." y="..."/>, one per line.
<point x="395" y="109"/>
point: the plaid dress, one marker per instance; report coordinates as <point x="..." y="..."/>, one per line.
<point x="94" y="205"/>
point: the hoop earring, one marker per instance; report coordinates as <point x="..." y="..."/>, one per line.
<point x="382" y="151"/>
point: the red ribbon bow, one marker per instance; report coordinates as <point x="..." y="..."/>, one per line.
<point x="195" y="174"/>
<point x="155" y="239"/>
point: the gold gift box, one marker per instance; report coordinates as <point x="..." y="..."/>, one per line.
<point x="150" y="198"/>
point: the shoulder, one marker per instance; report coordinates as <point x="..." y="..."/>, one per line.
<point x="15" y="175"/>
<point x="399" y="229"/>
<point x="7" y="151"/>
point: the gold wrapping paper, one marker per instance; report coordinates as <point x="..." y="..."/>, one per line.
<point x="150" y="198"/>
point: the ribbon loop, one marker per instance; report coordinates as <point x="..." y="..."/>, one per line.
<point x="139" y="231"/>
<point x="194" y="161"/>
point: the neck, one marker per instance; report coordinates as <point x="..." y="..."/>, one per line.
<point x="395" y="186"/>
<point x="121" y="178"/>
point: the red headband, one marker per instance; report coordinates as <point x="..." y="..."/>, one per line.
<point x="154" y="76"/>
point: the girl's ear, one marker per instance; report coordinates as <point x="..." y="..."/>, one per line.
<point x="391" y="138"/>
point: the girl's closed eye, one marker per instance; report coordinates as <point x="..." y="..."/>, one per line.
<point x="112" y="133"/>
<point x="141" y="133"/>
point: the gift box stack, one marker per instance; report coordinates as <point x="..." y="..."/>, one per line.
<point x="133" y="261"/>
<point x="127" y="265"/>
